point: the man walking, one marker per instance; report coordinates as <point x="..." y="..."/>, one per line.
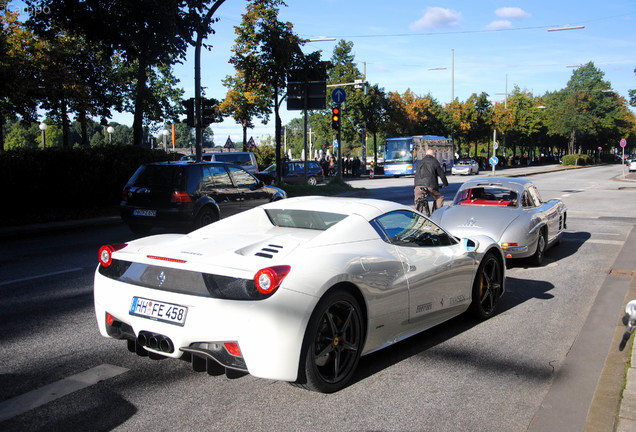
<point x="427" y="170"/>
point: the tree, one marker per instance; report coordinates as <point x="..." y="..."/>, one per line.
<point x="587" y="111"/>
<point x="265" y="50"/>
<point x="19" y="52"/>
<point x="244" y="101"/>
<point x="147" y="33"/>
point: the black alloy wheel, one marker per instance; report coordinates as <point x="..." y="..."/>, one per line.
<point x="487" y="288"/>
<point x="333" y="342"/>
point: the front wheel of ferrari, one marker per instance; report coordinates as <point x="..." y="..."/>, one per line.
<point x="487" y="287"/>
<point x="332" y="345"/>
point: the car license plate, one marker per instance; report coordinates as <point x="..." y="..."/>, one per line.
<point x="142" y="212"/>
<point x="160" y="311"/>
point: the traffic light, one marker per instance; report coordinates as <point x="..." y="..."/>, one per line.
<point x="209" y="111"/>
<point x="335" y="118"/>
<point x="189" y="106"/>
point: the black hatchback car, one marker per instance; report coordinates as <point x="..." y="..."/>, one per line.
<point x="188" y="195"/>
<point x="294" y="173"/>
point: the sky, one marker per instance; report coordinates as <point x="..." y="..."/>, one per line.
<point x="445" y="48"/>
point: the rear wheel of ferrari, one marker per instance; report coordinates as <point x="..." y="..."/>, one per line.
<point x="487" y="288"/>
<point x="332" y="345"/>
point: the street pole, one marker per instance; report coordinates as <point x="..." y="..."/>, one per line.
<point x="339" y="144"/>
<point x="197" y="80"/>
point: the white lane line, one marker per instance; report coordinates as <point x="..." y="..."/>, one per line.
<point x="35" y="398"/>
<point x="41" y="276"/>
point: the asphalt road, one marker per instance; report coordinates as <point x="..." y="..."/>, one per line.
<point x="502" y="374"/>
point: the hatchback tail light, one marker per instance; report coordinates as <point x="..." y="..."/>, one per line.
<point x="180" y="196"/>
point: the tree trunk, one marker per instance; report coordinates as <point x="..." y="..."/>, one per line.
<point x="1" y="133"/>
<point x="572" y="142"/>
<point x="81" y="117"/>
<point x="65" y="125"/>
<point x="138" y="120"/>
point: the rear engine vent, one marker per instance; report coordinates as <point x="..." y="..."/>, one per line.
<point x="269" y="251"/>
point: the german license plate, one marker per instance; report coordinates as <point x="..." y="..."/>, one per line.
<point x="159" y="311"/>
<point x="143" y="212"/>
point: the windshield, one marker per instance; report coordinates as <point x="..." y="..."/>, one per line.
<point x="495" y="196"/>
<point x="398" y="151"/>
<point x="303" y="219"/>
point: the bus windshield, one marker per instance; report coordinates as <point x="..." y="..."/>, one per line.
<point x="398" y="151"/>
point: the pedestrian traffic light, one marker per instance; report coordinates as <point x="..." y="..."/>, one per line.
<point x="335" y="118"/>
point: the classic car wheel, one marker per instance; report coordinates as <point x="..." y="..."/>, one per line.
<point x="537" y="258"/>
<point x="332" y="344"/>
<point x="487" y="288"/>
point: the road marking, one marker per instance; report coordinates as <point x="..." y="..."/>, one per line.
<point x="41" y="276"/>
<point x="608" y="242"/>
<point x="35" y="398"/>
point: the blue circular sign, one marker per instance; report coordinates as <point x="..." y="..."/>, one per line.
<point x="339" y="95"/>
<point x="494" y="160"/>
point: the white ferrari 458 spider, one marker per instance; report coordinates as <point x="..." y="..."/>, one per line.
<point x="295" y="290"/>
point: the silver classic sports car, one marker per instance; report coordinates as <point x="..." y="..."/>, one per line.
<point x="295" y="290"/>
<point x="509" y="210"/>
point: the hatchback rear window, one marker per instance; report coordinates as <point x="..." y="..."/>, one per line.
<point x="171" y="176"/>
<point x="233" y="158"/>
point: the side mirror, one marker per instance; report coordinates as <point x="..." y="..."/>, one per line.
<point x="470" y="245"/>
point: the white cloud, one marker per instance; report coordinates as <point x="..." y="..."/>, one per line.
<point x="511" y="12"/>
<point x="499" y="24"/>
<point x="437" y="17"/>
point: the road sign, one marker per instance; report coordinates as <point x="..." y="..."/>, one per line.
<point x="495" y="145"/>
<point x="335" y="143"/>
<point x="494" y="160"/>
<point x="623" y="142"/>
<point x="339" y="95"/>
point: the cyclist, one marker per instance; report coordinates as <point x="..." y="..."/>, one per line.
<point x="427" y="170"/>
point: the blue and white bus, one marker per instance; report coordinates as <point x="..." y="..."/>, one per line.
<point x="400" y="154"/>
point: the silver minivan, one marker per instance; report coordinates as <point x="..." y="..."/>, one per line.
<point x="246" y="160"/>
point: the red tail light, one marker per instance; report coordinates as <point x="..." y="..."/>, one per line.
<point x="233" y="348"/>
<point x="106" y="253"/>
<point x="268" y="280"/>
<point x="180" y="197"/>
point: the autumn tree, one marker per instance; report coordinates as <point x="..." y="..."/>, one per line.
<point x="245" y="101"/>
<point x="266" y="49"/>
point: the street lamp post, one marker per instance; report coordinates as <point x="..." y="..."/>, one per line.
<point x="110" y="131"/>
<point x="165" y="136"/>
<point x="43" y="127"/>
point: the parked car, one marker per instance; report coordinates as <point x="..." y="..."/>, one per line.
<point x="295" y="290"/>
<point x="509" y="210"/>
<point x="465" y="167"/>
<point x="189" y="195"/>
<point x="246" y="160"/>
<point x="294" y="173"/>
<point x="632" y="165"/>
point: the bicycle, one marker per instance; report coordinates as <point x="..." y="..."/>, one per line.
<point x="422" y="202"/>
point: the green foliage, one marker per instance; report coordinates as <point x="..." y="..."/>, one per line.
<point x="578" y="159"/>
<point x="62" y="183"/>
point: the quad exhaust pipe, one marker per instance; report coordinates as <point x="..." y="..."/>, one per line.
<point x="155" y="341"/>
